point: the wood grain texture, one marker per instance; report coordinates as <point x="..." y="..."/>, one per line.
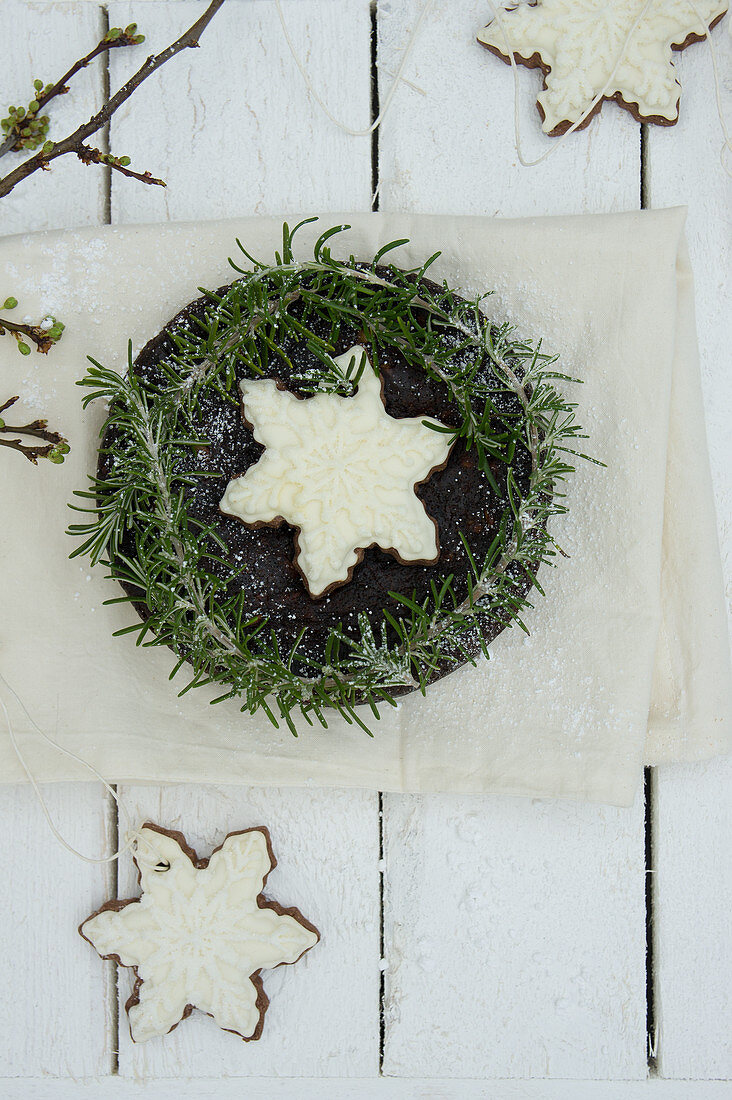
<point x="54" y="1013"/>
<point x="383" y="1088"/>
<point x="42" y="41"/>
<point x="515" y="931"/>
<point x="323" y="1018"/>
<point x="693" y="820"/>
<point x="451" y="150"/>
<point x="693" y="928"/>
<point x="230" y="126"/>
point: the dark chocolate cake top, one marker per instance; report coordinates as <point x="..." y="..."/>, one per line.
<point x="459" y="498"/>
<point x="224" y="580"/>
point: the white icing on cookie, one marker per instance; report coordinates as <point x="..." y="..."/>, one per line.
<point x="342" y="471"/>
<point x="580" y="42"/>
<point x="196" y="936"/>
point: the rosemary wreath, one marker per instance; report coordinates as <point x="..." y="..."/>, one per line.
<point x="141" y="528"/>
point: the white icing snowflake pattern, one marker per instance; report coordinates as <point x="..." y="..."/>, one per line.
<point x="580" y="42"/>
<point x="342" y="471"/>
<point x="198" y="936"/>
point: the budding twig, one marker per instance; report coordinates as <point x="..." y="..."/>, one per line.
<point x="19" y="120"/>
<point x="88" y="155"/>
<point x="55" y="448"/>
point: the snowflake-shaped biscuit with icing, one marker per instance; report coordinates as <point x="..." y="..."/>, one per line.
<point x="200" y="933"/>
<point x="578" y="44"/>
<point x="343" y="472"/>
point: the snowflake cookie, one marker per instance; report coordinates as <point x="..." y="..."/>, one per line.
<point x="343" y="472"/>
<point x="579" y="44"/>
<point x="200" y="934"/>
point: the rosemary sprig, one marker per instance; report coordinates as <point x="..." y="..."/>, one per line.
<point x="139" y="524"/>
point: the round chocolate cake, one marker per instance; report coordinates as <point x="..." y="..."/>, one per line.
<point x="230" y="588"/>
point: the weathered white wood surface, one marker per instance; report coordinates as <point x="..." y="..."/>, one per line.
<point x="230" y="126"/>
<point x="550" y="893"/>
<point x="692" y="812"/>
<point x="451" y="150"/>
<point x="42" y="41"/>
<point x="515" y="933"/>
<point x="515" y="938"/>
<point x="372" y="1088"/>
<point x="55" y="1012"/>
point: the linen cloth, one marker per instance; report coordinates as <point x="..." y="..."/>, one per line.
<point x="627" y="659"/>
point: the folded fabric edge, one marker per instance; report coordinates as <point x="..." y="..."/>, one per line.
<point x="673" y="214"/>
<point x="690" y="716"/>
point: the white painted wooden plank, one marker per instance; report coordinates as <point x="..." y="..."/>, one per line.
<point x="451" y="150"/>
<point x="693" y="888"/>
<point x="384" y="1088"/>
<point x="515" y="931"/>
<point x="230" y="126"/>
<point x="231" y="130"/>
<point x="693" y="820"/>
<point x="54" y="1016"/>
<point x="57" y="1014"/>
<point x="42" y="41"/>
<point x="323" y="1018"/>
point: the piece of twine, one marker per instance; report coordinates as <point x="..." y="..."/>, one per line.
<point x="498" y="13"/>
<point x="133" y="837"/>
<point x="726" y="145"/>
<point x="412" y="41"/>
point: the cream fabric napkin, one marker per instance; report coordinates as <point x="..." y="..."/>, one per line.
<point x="627" y="660"/>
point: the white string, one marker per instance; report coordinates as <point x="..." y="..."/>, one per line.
<point x="132" y="837"/>
<point x="608" y="85"/>
<point x="497" y="15"/>
<point x="392" y="90"/>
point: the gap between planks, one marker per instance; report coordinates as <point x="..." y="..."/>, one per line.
<point x="649" y="776"/>
<point x="375" y="108"/>
<point x="111" y="805"/>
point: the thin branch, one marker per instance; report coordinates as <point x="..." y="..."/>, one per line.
<point x="38" y="335"/>
<point x="75" y="141"/>
<point x="56" y="446"/>
<point x="89" y="155"/>
<point x="31" y="453"/>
